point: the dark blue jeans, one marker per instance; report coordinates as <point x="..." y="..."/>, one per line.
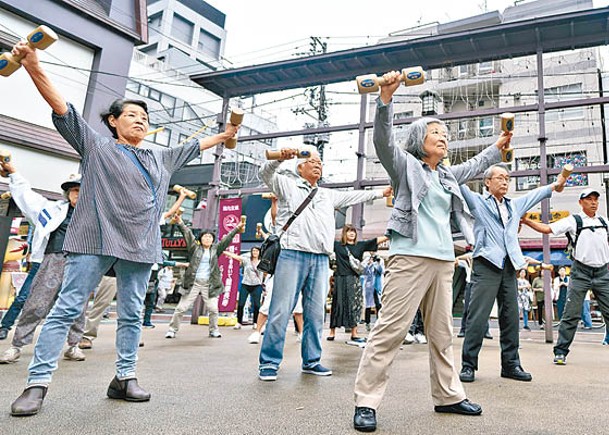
<point x="15" y="309"/>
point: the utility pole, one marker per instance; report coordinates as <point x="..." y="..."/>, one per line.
<point x="318" y="103"/>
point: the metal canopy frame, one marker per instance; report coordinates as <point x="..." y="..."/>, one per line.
<point x="521" y="38"/>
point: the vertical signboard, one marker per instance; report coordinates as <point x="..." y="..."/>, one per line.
<point x="229" y="218"/>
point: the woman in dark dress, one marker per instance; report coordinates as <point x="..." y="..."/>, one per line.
<point x="347" y="295"/>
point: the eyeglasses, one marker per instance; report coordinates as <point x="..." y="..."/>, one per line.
<point x="439" y="133"/>
<point x="505" y="178"/>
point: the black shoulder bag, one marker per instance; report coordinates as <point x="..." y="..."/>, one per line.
<point x="271" y="247"/>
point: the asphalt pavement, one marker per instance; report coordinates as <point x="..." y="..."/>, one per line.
<point x="202" y="385"/>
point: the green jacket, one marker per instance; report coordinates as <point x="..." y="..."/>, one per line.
<point x="195" y="253"/>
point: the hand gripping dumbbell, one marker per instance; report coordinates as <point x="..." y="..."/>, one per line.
<point x="566" y="172"/>
<point x="189" y="193"/>
<point x="244" y="223"/>
<point x="40" y="38"/>
<point x="507" y="125"/>
<point x="5" y="157"/>
<point x="236" y="118"/>
<point x="371" y="83"/>
<point x="276" y="155"/>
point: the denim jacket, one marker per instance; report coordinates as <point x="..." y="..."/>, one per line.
<point x="411" y="178"/>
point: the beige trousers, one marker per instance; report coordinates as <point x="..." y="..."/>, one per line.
<point x="187" y="301"/>
<point x="103" y="298"/>
<point x="410" y="282"/>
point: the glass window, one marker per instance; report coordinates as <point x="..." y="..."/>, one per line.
<point x="485" y="67"/>
<point x="153" y="94"/>
<point x="486" y="126"/>
<point x="133" y="86"/>
<point x="182" y="29"/>
<point x="463" y="70"/>
<point x="564" y="93"/>
<point x="169" y="103"/>
<point x="209" y="44"/>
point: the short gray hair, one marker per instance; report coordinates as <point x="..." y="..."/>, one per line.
<point x="488" y="174"/>
<point x="415" y="136"/>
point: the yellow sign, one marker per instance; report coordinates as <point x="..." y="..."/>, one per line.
<point x="554" y="216"/>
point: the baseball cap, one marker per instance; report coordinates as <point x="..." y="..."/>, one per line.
<point x="587" y="192"/>
<point x="72" y="181"/>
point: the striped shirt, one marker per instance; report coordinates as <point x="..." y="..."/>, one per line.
<point x="119" y="207"/>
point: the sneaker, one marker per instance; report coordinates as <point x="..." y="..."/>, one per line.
<point x="461" y="334"/>
<point x="237" y="326"/>
<point x="560" y="359"/>
<point x="215" y="334"/>
<point x="3" y="333"/>
<point x="267" y="374"/>
<point x="605" y="343"/>
<point x="254" y="338"/>
<point x="526" y="328"/>
<point x="149" y="326"/>
<point x="170" y="334"/>
<point x="409" y="339"/>
<point x="317" y="370"/>
<point x="10" y="355"/>
<point x="420" y="338"/>
<point x="85" y="343"/>
<point x="74" y="354"/>
<point x="254" y="326"/>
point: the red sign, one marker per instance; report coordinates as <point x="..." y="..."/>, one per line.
<point x="170" y="244"/>
<point x="229" y="218"/>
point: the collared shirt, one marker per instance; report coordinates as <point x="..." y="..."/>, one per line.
<point x="119" y="208"/>
<point x="592" y="248"/>
<point x="312" y="231"/>
<point x="495" y="240"/>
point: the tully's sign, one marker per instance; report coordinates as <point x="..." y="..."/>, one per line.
<point x="554" y="216"/>
<point x="173" y="243"/>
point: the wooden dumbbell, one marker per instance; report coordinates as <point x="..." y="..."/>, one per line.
<point x="259" y="230"/>
<point x="390" y="201"/>
<point x="276" y="155"/>
<point x="179" y="212"/>
<point x="566" y="172"/>
<point x="371" y="83"/>
<point x="6" y="195"/>
<point x="507" y="125"/>
<point x="268" y="195"/>
<point x="189" y="193"/>
<point x="5" y="157"/>
<point x="243" y="221"/>
<point x="40" y="38"/>
<point x="236" y="118"/>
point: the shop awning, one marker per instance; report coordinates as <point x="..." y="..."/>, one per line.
<point x="558" y="257"/>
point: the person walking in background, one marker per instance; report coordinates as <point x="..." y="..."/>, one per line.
<point x="347" y="297"/>
<point x="202" y="275"/>
<point x="537" y="287"/>
<point x="524" y="297"/>
<point x="165" y="278"/>
<point x="373" y="275"/>
<point x="560" y="286"/>
<point x="421" y="256"/>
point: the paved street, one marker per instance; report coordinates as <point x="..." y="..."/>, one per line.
<point x="201" y="385"/>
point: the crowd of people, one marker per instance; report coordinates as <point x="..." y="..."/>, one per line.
<point x="104" y="238"/>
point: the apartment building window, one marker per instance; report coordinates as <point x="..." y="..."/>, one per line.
<point x="133" y="86"/>
<point x="403" y="115"/>
<point x="485" y="67"/>
<point x="161" y="138"/>
<point x="155" y="20"/>
<point x="485" y="126"/>
<point x="153" y="94"/>
<point x="577" y="159"/>
<point x="463" y="70"/>
<point x="564" y="93"/>
<point x="209" y="44"/>
<point x="462" y="129"/>
<point x="182" y="29"/>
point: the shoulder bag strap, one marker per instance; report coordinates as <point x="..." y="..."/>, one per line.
<point x="299" y="210"/>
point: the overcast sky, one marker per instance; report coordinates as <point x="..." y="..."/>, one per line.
<point x="258" y="28"/>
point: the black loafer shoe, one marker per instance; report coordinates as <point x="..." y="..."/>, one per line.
<point x="127" y="389"/>
<point x="30" y="401"/>
<point x="364" y="419"/>
<point x="467" y="374"/>
<point x="3" y="333"/>
<point x="464" y="407"/>
<point x="488" y="336"/>
<point x="517" y="373"/>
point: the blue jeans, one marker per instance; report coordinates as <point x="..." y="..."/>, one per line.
<point x="82" y="272"/>
<point x="15" y="309"/>
<point x="586" y="316"/>
<point x="296" y="272"/>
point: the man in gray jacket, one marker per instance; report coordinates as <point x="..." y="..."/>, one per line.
<point x="303" y="264"/>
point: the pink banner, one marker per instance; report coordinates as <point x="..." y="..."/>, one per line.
<point x="230" y="216"/>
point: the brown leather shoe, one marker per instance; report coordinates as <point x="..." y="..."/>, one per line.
<point x="30" y="401"/>
<point x="127" y="389"/>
